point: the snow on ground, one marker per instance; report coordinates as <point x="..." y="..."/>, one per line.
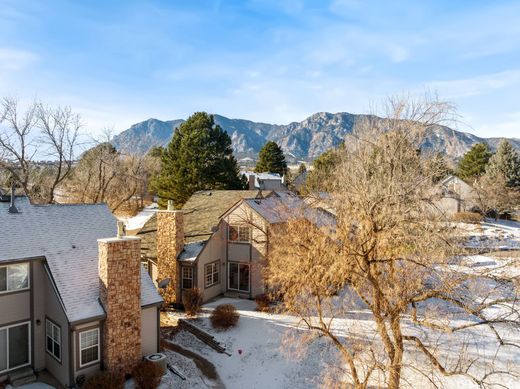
<point x="138" y="221"/>
<point x="34" y="385"/>
<point x="261" y="358"/>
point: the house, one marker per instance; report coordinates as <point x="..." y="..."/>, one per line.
<point x="456" y="196"/>
<point x="230" y="257"/>
<point x="74" y="299"/>
<point x="265" y="181"/>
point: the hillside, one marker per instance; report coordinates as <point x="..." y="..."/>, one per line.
<point x="303" y="140"/>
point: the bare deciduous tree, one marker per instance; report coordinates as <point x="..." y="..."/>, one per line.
<point x="392" y="254"/>
<point x="38" y="130"/>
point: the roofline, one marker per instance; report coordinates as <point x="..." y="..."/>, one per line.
<point x="88" y="319"/>
<point x="23" y="259"/>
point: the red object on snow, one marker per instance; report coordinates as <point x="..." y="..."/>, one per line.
<point x="239" y="351"/>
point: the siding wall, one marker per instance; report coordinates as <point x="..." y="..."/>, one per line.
<point x="149" y="331"/>
<point x="215" y="249"/>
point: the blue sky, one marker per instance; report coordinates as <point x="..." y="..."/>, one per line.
<point x="118" y="63"/>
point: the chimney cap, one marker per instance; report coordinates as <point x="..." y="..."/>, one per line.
<point x="12" y="207"/>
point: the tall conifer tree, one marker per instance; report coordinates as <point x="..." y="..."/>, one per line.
<point x="473" y="163"/>
<point x="271" y="159"/>
<point x="198" y="157"/>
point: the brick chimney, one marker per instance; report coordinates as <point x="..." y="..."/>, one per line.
<point x="170" y="243"/>
<point x="120" y="295"/>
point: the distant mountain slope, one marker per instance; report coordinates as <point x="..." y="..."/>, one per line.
<point x="303" y="140"/>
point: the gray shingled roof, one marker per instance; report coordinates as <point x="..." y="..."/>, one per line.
<point x="66" y="235"/>
<point x="202" y="213"/>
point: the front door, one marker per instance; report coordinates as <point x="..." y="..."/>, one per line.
<point x="14" y="346"/>
<point x="238" y="276"/>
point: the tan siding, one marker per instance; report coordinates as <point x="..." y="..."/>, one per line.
<point x="149" y="331"/>
<point x="214" y="250"/>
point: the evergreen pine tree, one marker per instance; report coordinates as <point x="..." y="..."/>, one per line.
<point x="473" y="163"/>
<point x="198" y="157"/>
<point x="505" y="161"/>
<point x="271" y="159"/>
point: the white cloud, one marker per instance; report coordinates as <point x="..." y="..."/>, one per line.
<point x="456" y="89"/>
<point x="15" y="59"/>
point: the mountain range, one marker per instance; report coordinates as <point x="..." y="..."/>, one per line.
<point x="303" y="140"/>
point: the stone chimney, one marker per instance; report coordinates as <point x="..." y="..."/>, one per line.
<point x="120" y="295"/>
<point x="170" y="243"/>
<point x="251" y="181"/>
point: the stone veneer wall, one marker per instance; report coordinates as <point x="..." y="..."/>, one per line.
<point x="170" y="243"/>
<point x="120" y="295"/>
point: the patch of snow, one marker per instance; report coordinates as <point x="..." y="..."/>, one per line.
<point x="139" y="220"/>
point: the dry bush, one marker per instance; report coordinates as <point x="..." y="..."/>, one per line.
<point x="105" y="380"/>
<point x="147" y="375"/>
<point x="468" y="217"/>
<point x="262" y="302"/>
<point x="192" y="300"/>
<point x="224" y="316"/>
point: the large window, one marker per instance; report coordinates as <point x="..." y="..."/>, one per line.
<point x="212" y="274"/>
<point x="239" y="233"/>
<point x="238" y="276"/>
<point x="14" y="277"/>
<point x="14" y="346"/>
<point x="53" y="339"/>
<point x="187" y="277"/>
<point x="88" y="347"/>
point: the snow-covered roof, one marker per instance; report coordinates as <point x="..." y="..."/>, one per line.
<point x="66" y="235"/>
<point x="281" y="206"/>
<point x="191" y="251"/>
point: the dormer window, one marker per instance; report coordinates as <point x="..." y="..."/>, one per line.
<point x="239" y="233"/>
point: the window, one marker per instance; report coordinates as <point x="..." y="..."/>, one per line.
<point x="14" y="277"/>
<point x="53" y="338"/>
<point x="14" y="346"/>
<point x="212" y="274"/>
<point x="88" y="347"/>
<point x="239" y="233"/>
<point x="187" y="277"/>
<point x="238" y="276"/>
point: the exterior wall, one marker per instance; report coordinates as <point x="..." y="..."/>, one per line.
<point x="170" y="242"/>
<point x="149" y="326"/>
<point x="214" y="250"/>
<point x="271" y="185"/>
<point x="254" y="252"/>
<point x="95" y="367"/>
<point x="120" y="295"/>
<point x="15" y="307"/>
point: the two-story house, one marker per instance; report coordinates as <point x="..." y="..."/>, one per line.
<point x="231" y="257"/>
<point x="74" y="299"/>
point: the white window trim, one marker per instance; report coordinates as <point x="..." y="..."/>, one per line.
<point x="82" y="365"/>
<point x="7" y="278"/>
<point x="249" y="282"/>
<point x="192" y="277"/>
<point x="215" y="269"/>
<point x="29" y="345"/>
<point x="238" y="228"/>
<point x="58" y="341"/>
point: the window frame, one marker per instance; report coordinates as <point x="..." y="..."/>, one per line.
<point x="239" y="229"/>
<point x="29" y="349"/>
<point x="80" y="349"/>
<point x="215" y="266"/>
<point x="6" y="267"/>
<point x="248" y="265"/>
<point x="192" y="276"/>
<point x="54" y="341"/>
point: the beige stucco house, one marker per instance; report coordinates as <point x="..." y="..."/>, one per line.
<point x="73" y="299"/>
<point x="230" y="258"/>
<point x="456" y="195"/>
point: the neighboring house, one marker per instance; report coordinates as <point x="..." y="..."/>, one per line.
<point x="456" y="196"/>
<point x="73" y="300"/>
<point x="230" y="257"/>
<point x="265" y="181"/>
<point x="299" y="182"/>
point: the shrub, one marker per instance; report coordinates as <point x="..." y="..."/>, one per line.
<point x="224" y="316"/>
<point x="105" y="380"/>
<point x="262" y="302"/>
<point x="147" y="375"/>
<point x="468" y="217"/>
<point x="192" y="300"/>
